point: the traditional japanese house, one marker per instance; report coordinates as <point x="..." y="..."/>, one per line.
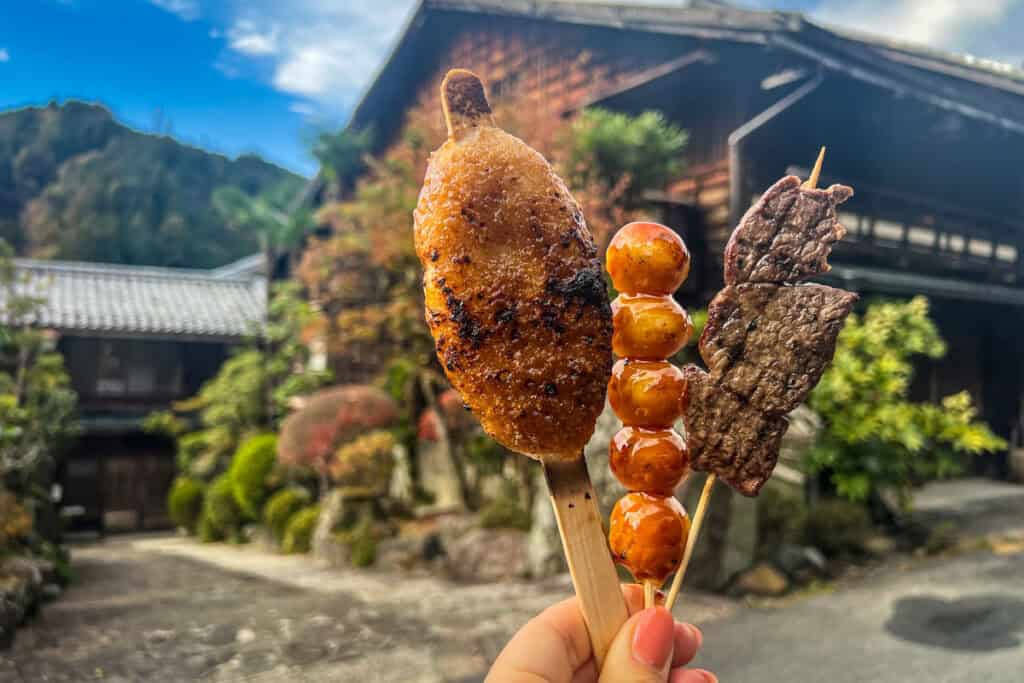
<point x="134" y="340"/>
<point x="929" y="140"/>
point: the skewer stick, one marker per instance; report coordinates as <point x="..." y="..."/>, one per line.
<point x="649" y="590"/>
<point x="812" y="182"/>
<point x="691" y="540"/>
<point x="586" y="551"/>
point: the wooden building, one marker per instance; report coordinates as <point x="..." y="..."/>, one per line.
<point x="135" y="339"/>
<point x="929" y="140"/>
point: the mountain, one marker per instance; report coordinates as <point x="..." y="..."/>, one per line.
<point x="75" y="184"/>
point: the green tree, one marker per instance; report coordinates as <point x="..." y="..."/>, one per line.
<point x="37" y="403"/>
<point x="607" y="147"/>
<point x="874" y="438"/>
<point x="342" y="155"/>
<point x="252" y="391"/>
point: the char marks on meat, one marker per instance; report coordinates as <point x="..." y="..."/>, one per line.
<point x="769" y="344"/>
<point x="787" y="235"/>
<point x="767" y="339"/>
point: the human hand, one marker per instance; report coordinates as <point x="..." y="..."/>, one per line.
<point x="554" y="647"/>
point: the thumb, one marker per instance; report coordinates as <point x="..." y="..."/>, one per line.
<point x="642" y="649"/>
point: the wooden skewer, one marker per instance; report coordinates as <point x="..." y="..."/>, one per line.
<point x="649" y="588"/>
<point x="691" y="541"/>
<point x="586" y="551"/>
<point x="812" y="182"/>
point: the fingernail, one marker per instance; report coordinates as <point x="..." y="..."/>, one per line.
<point x="652" y="639"/>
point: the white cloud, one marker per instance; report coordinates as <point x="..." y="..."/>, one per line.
<point x="304" y="108"/>
<point x="5" y="56"/>
<point x="244" y="37"/>
<point x="938" y="23"/>
<point x="187" y="10"/>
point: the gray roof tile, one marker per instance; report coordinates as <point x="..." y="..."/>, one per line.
<point x="142" y="300"/>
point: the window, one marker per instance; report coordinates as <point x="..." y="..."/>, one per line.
<point x="128" y="367"/>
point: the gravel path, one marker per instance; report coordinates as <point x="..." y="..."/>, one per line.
<point x="165" y="609"/>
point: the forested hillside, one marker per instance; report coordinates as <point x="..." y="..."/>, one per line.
<point x="76" y="184"/>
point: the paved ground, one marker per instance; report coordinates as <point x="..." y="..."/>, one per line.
<point x="164" y="609"/>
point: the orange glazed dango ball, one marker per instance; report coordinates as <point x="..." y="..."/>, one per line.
<point x="647" y="258"/>
<point x="647" y="535"/>
<point x="649" y="326"/>
<point x="649" y="460"/>
<point x="647" y="393"/>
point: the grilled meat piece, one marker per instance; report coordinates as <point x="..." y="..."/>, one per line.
<point x="768" y="344"/>
<point x="515" y="299"/>
<point x="767" y="340"/>
<point x="728" y="436"/>
<point x="787" y="235"/>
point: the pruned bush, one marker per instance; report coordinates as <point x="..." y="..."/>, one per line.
<point x="221" y="518"/>
<point x="250" y="470"/>
<point x="185" y="503"/>
<point x="504" y="513"/>
<point x="310" y="436"/>
<point x="365" y="464"/>
<point x="281" y="507"/>
<point x="837" y="527"/>
<point x="362" y="543"/>
<point x="299" y="532"/>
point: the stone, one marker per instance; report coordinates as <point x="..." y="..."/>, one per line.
<point x="800" y="562"/>
<point x="484" y="555"/>
<point x="800" y="437"/>
<point x="762" y="579"/>
<point x="438" y="476"/>
<point x="51" y="591"/>
<point x="324" y="546"/>
<point x="400" y="552"/>
<point x="401" y="487"/>
<point x="879" y="545"/>
<point x="245" y="635"/>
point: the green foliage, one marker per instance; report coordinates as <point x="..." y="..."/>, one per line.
<point x="342" y="154"/>
<point x="504" y="513"/>
<point x="298" y="533"/>
<point x="874" y="437"/>
<point x="185" y="502"/>
<point x="364" y="465"/>
<point x="78" y="185"/>
<point x="607" y="146"/>
<point x="268" y="216"/>
<point x="836" y="527"/>
<point x="281" y="507"/>
<point x="250" y="471"/>
<point x="362" y="543"/>
<point x="251" y="392"/>
<point x="221" y="518"/>
<point x="37" y="403"/>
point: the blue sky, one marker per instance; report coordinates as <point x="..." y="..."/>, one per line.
<point x="264" y="75"/>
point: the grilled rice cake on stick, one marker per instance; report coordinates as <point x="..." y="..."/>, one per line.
<point x="767" y="339"/>
<point x="517" y="306"/>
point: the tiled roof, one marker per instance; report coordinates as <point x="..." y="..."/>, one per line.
<point x="145" y="301"/>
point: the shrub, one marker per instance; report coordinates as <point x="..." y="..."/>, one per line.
<point x="221" y="517"/>
<point x="250" y="469"/>
<point x="837" y="527"/>
<point x="310" y="436"/>
<point x="361" y="542"/>
<point x="185" y="503"/>
<point x="15" y="520"/>
<point x="504" y="513"/>
<point x="281" y="507"/>
<point x="365" y="465"/>
<point x="874" y="438"/>
<point x="299" y="532"/>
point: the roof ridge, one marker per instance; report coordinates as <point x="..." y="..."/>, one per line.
<point x="155" y="272"/>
